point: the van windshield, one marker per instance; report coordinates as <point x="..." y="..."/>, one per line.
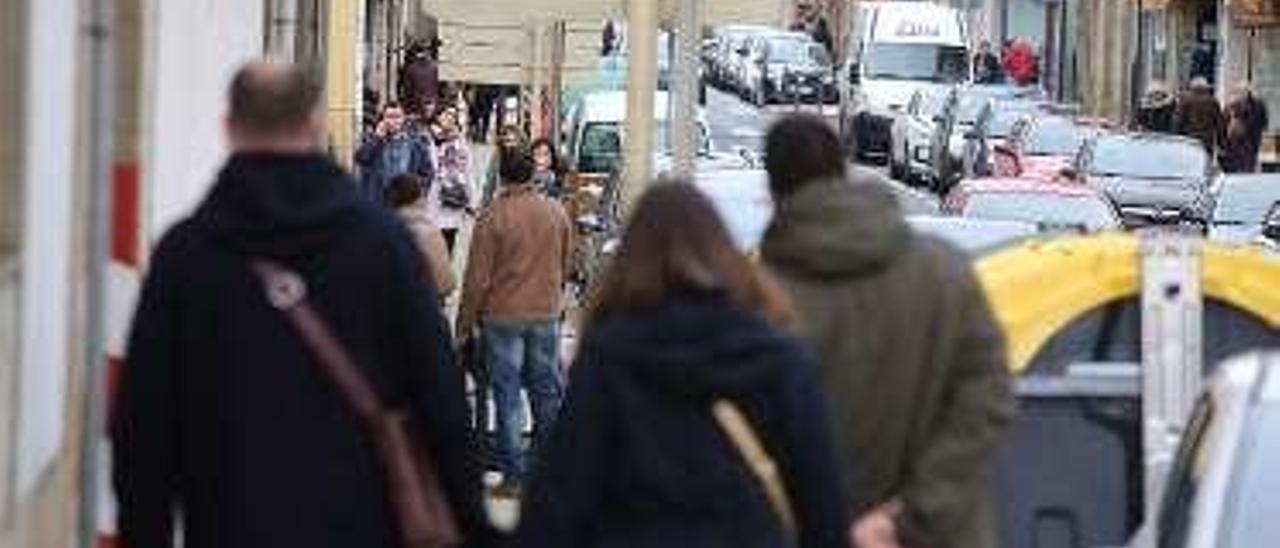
<point x="930" y="62"/>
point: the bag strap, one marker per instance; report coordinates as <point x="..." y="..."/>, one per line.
<point x="735" y="424"/>
<point x="287" y="292"/>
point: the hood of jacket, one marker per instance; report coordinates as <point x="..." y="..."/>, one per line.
<point x="698" y="348"/>
<point x="278" y="205"/>
<point x="836" y="228"/>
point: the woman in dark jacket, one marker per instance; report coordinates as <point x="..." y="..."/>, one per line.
<point x="680" y="321"/>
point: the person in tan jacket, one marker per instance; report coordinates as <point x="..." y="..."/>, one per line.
<point x="518" y="264"/>
<point x="404" y="194"/>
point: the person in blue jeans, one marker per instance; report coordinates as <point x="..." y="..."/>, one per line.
<point x="517" y="267"/>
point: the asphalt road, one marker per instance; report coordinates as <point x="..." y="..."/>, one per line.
<point x="735" y="123"/>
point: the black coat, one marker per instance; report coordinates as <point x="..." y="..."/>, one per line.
<point x="223" y="413"/>
<point x="637" y="460"/>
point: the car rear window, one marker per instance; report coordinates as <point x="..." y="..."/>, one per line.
<point x="1050" y="209"/>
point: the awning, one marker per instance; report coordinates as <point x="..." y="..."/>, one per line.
<point x="1255" y="13"/>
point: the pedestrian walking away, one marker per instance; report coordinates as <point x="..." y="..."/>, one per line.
<point x="404" y="195"/>
<point x="451" y="200"/>
<point x="911" y="359"/>
<point x="682" y="327"/>
<point x="420" y="79"/>
<point x="516" y="272"/>
<point x="396" y="146"/>
<point x="1199" y="116"/>
<point x="986" y="65"/>
<point x="1156" y="109"/>
<point x="1247" y="120"/>
<point x="227" y="429"/>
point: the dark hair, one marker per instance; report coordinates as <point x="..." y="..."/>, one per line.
<point x="515" y="165"/>
<point x="403" y="190"/>
<point x="801" y="149"/>
<point x="676" y="244"/>
<point x="390" y="105"/>
<point x="271" y="99"/>
<point x="551" y="147"/>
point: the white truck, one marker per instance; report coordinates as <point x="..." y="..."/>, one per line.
<point x="894" y="49"/>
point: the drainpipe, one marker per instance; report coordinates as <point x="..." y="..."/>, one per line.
<point x="284" y="29"/>
<point x="101" y="56"/>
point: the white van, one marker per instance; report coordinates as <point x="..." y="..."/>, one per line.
<point x="895" y="49"/>
<point x="593" y="131"/>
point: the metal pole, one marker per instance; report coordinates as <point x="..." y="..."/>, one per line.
<point x="101" y="54"/>
<point x="685" y="87"/>
<point x="642" y="80"/>
<point x="284" y="24"/>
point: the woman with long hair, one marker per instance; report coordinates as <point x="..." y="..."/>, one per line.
<point x="683" y="325"/>
<point x="548" y="173"/>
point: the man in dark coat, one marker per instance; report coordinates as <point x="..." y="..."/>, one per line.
<point x="1246" y="121"/>
<point x="1156" y="109"/>
<point x="1199" y="116"/>
<point x="420" y="80"/>
<point x="911" y="358"/>
<point x="225" y="420"/>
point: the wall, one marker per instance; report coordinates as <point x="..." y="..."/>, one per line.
<point x="194" y="48"/>
<point x="40" y="404"/>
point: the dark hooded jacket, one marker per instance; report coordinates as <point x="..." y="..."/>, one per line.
<point x="224" y="417"/>
<point x="637" y="460"/>
<point x="911" y="359"/>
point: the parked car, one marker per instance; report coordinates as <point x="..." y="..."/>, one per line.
<point x="1041" y="147"/>
<point x="954" y="127"/>
<point x="992" y="129"/>
<point x="724" y="55"/>
<point x="1152" y="178"/>
<point x="785" y="66"/>
<point x="912" y="130"/>
<point x="1050" y="206"/>
<point x="1241" y="206"/>
<point x="1223" y="489"/>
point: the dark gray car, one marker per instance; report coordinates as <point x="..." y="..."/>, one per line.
<point x="1153" y="179"/>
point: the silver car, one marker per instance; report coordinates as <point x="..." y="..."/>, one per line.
<point x="1223" y="490"/>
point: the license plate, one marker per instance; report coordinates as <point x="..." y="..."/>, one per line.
<point x="805" y="90"/>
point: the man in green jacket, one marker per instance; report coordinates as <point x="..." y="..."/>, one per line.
<point x="913" y="363"/>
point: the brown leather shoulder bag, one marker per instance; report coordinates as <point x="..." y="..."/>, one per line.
<point x="419" y="506"/>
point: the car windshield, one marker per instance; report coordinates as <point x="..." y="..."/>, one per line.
<point x="1058" y="138"/>
<point x="1043" y="208"/>
<point x="1003" y="120"/>
<point x="601" y="148"/>
<point x="1246" y="202"/>
<point x="915" y="62"/>
<point x="1257" y="485"/>
<point x="795" y="51"/>
<point x="971" y="107"/>
<point x="1147" y="158"/>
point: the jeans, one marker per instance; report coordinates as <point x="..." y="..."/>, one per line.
<point x="523" y="355"/>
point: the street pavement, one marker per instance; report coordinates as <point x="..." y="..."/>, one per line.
<point x="735" y="123"/>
